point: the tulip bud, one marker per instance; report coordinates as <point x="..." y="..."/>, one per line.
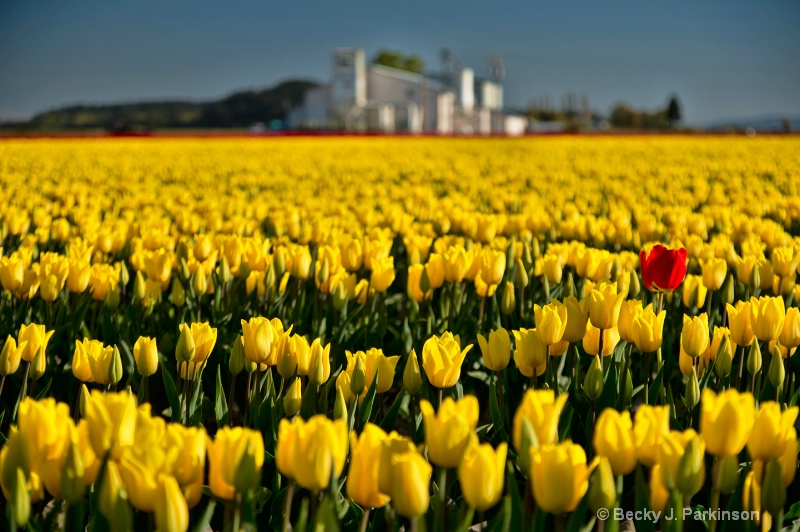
<point x="111" y="501"/>
<point x="535" y="250"/>
<point x="412" y="379"/>
<point x="250" y="366"/>
<point x="185" y="272"/>
<point x="236" y="360"/>
<point x="528" y="439"/>
<point x="508" y="303"/>
<point x="84" y="400"/>
<point x="112" y="298"/>
<point x="754" y="358"/>
<point x="171" y="510"/>
<point x="139" y="287"/>
<point x="11" y="356"/>
<point x="293" y="398"/>
<point x="602" y="486"/>
<point x="691" y="469"/>
<point x="115" y="367"/>
<point x="593" y="383"/>
<point x="49" y="288"/>
<point x="634" y="286"/>
<point x="424" y="282"/>
<point x="184" y="352"/>
<point x="19" y="499"/>
<point x="773" y="490"/>
<point x="520" y="275"/>
<point x="248" y="471"/>
<point x="545" y="289"/>
<point x="124" y="275"/>
<point x="38" y="365"/>
<point x="776" y="372"/>
<point x="318" y="373"/>
<point x="224" y="270"/>
<point x="269" y="279"/>
<point x="755" y="280"/>
<point x="279" y="262"/>
<point x="200" y="282"/>
<point x="323" y="273"/>
<point x="726" y="471"/>
<point x="527" y="257"/>
<point x="569" y="286"/>
<point x="339" y="296"/>
<point x="340" y="406"/>
<point x="724" y="359"/>
<point x="72" y="477"/>
<point x="178" y="293"/>
<point x="511" y="251"/>
<point x="692" y="391"/>
<point x="727" y="291"/>
<point x="182" y="251"/>
<point x="358" y="382"/>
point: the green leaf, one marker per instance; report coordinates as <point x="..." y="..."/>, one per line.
<point x="172" y="394"/>
<point x="516" y="499"/>
<point x="365" y="409"/>
<point x="388" y="421"/>
<point x="565" y="422"/>
<point x="325" y="517"/>
<point x="608" y="398"/>
<point x="502" y="521"/>
<point x="220" y="403"/>
<point x="43" y="391"/>
<point x="494" y="407"/>
<point x="302" y="519"/>
<point x="655" y="387"/>
<point x="205" y="519"/>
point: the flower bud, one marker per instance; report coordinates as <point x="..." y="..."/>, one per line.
<point x="247" y="476"/>
<point x="508" y="303"/>
<point x="19" y="499"/>
<point x="339" y="296"/>
<point x="545" y="289"/>
<point x="727" y="290"/>
<point x="111" y="500"/>
<point x="726" y="471"/>
<point x="754" y="358"/>
<point x="84" y="399"/>
<point x="185" y="272"/>
<point x="773" y="490"/>
<point x="776" y="372"/>
<point x="181" y="251"/>
<point x="184" y="352"/>
<point x="724" y="360"/>
<point x="593" y="383"/>
<point x="755" y="280"/>
<point x="528" y="439"/>
<point x="112" y="298"/>
<point x="520" y="275"/>
<point x="634" y="287"/>
<point x="602" y="486"/>
<point x="358" y="382"/>
<point x="691" y="469"/>
<point x="236" y="360"/>
<point x="115" y="367"/>
<point x="293" y="398"/>
<point x="319" y="366"/>
<point x="11" y="356"/>
<point x="569" y="287"/>
<point x="224" y="270"/>
<point x="323" y="273"/>
<point x="38" y="365"/>
<point x="412" y="378"/>
<point x="124" y="275"/>
<point x="340" y="406"/>
<point x="178" y="293"/>
<point x="73" y="485"/>
<point x="200" y="282"/>
<point x="692" y="391"/>
<point x="424" y="281"/>
<point x="139" y="287"/>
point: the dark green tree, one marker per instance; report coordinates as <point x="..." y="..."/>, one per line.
<point x="673" y="111"/>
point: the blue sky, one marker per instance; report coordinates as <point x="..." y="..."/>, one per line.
<point x="724" y="58"/>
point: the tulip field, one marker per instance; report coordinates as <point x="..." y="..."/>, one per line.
<point x="382" y="334"/>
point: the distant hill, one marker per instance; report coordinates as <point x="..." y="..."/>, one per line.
<point x="239" y="110"/>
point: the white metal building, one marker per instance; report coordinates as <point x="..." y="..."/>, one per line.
<point x="384" y="99"/>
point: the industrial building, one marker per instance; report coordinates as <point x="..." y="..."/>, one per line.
<point x="378" y="98"/>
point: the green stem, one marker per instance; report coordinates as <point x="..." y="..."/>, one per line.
<point x="362" y="527"/>
<point x="287" y="507"/>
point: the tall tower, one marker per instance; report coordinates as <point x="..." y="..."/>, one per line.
<point x="348" y="84"/>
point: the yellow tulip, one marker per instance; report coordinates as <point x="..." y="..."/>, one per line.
<point x="714" y="272"/>
<point x="740" y="325"/>
<point x="613" y="438"/>
<point x="604" y="305"/>
<point x="627" y="312"/>
<point x="111" y="422"/>
<point x="577" y="317"/>
<point x="493" y="266"/>
<point x="171" y="512"/>
<point x="11" y="356"/>
<point x="450" y="431"/>
<point x="785" y="260"/>
<point x="258" y="337"/>
<point x="695" y="335"/>
<point x="310" y="451"/>
<point x="442" y="359"/>
<point x="414" y="290"/>
<point x="319" y="366"/>
<point x="543" y="410"/>
<point x="409" y="480"/>
<point x="456" y="264"/>
<point x="771" y="429"/>
<point x="234" y="453"/>
<point x="553" y="267"/>
<point x="647" y="329"/>
<point x="35" y="337"/>
<point x="790" y="335"/>
<point x="650" y="425"/>
<point x="145" y="353"/>
<point x="551" y="321"/>
<point x="204" y="339"/>
<point x="726" y="421"/>
<point x="560" y="476"/>
<point x="497" y="350"/>
<point x="681" y="460"/>
<point x="364" y="473"/>
<point x="382" y="274"/>
<point x="658" y="492"/>
<point x="767" y="315"/>
<point x="591" y="341"/>
<point x="694" y="291"/>
<point x="487" y="464"/>
<point x="530" y="353"/>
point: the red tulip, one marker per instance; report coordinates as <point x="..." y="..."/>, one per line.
<point x="664" y="270"/>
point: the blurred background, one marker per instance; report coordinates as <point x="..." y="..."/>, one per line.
<point x="468" y="67"/>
